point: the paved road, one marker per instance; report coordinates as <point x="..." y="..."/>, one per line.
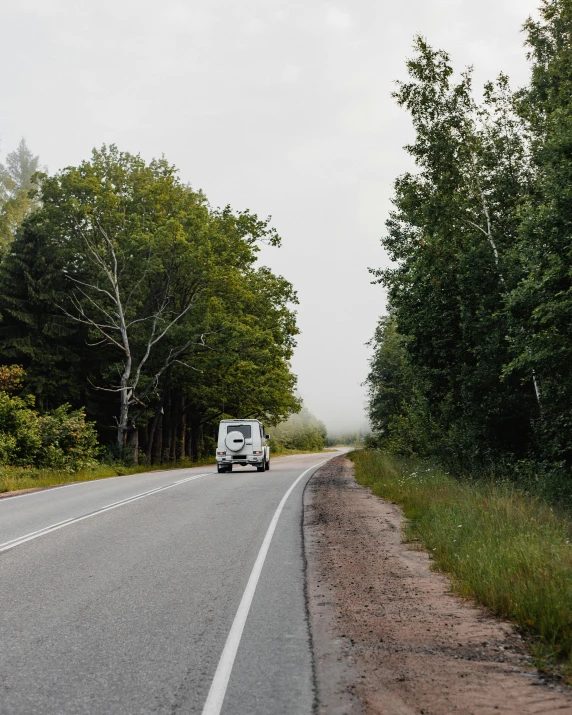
<point x="129" y="609"/>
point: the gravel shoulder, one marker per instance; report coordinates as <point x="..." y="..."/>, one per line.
<point x="388" y="635"/>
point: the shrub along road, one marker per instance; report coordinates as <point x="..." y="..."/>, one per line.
<point x="119" y="595"/>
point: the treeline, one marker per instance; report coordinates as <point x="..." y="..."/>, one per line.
<point x="473" y="363"/>
<point x="356" y="438"/>
<point x="302" y="431"/>
<point x="125" y="295"/>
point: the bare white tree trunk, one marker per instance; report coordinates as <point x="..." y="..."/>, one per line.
<point x="113" y="325"/>
<point x="537" y="391"/>
<point x="488" y="232"/>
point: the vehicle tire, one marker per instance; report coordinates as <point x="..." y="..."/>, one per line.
<point x="261" y="468"/>
<point x="220" y="469"/>
<point x="267" y="466"/>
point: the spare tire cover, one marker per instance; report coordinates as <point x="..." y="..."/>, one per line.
<point x="234" y="441"/>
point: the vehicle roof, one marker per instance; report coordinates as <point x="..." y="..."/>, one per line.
<point x="247" y="420"/>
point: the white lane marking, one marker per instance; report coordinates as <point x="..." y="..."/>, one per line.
<point x="217" y="691"/>
<point x="7" y="545"/>
<point x="93" y="481"/>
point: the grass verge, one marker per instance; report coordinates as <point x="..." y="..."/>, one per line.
<point x="509" y="551"/>
<point x="17" y="478"/>
<point x="286" y="452"/>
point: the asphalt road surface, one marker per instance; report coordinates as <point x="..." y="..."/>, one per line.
<point x="168" y="592"/>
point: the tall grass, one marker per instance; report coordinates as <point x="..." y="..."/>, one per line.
<point x="509" y="551"/>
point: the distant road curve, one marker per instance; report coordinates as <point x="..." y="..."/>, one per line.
<point x="167" y="592"/>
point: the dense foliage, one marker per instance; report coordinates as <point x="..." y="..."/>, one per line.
<point x="301" y="431"/>
<point x="125" y="292"/>
<point x="473" y="363"/>
<point x="59" y="439"/>
<point x="355" y="438"/>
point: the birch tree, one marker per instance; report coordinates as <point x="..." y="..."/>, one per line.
<point x="106" y="306"/>
<point x="454" y="236"/>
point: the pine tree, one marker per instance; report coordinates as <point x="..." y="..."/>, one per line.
<point x="17" y="190"/>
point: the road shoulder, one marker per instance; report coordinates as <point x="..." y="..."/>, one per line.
<point x="388" y="635"/>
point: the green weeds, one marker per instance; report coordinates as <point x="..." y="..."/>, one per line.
<point x="15" y="478"/>
<point x="509" y="551"/>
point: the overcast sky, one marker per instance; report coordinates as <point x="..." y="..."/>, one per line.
<point x="279" y="106"/>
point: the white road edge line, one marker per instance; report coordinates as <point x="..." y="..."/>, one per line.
<point x="89" y="482"/>
<point x="7" y="545"/>
<point x="217" y="692"/>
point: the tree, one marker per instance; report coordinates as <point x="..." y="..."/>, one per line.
<point x="244" y="373"/>
<point x="541" y="303"/>
<point x="17" y="190"/>
<point x="301" y="431"/>
<point x="139" y="257"/>
<point x="126" y="284"/>
<point x="453" y="236"/>
<point x="33" y="330"/>
<point x="389" y="385"/>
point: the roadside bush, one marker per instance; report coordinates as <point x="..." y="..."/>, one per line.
<point x="60" y="439"/>
<point x="20" y="441"/>
<point x="68" y="442"/>
<point x="11" y="378"/>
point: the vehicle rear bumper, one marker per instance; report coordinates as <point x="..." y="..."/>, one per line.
<point x="250" y="459"/>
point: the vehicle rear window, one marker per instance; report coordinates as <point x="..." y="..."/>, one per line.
<point x="245" y="430"/>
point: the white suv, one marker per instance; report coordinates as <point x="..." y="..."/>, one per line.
<point x="242" y="442"/>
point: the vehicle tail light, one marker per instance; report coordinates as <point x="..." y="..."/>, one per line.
<point x="257" y="451"/>
<point x="221" y="452"/>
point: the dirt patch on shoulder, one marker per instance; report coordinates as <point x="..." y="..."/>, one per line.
<point x="388" y="635"/>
